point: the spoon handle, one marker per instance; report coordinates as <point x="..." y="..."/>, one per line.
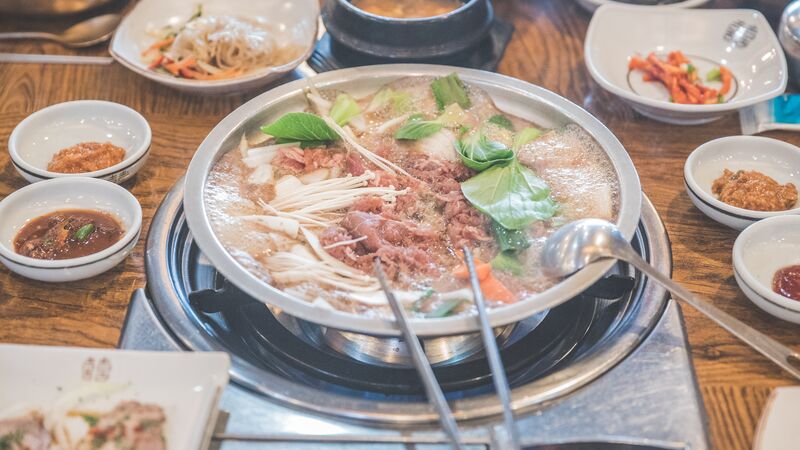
<point x="25" y="35"/>
<point x="780" y="354"/>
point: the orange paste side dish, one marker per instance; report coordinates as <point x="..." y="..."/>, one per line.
<point x="86" y="157"/>
<point x="750" y="189"/>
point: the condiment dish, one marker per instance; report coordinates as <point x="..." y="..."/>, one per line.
<point x="592" y="5"/>
<point x="295" y="21"/>
<point x="761" y="250"/>
<point x="37" y="199"/>
<point x="740" y="39"/>
<point x="776" y="159"/>
<point x="41" y="135"/>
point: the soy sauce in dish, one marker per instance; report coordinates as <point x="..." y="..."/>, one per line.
<point x="786" y="282"/>
<point x="69" y="233"/>
<point x="407" y="9"/>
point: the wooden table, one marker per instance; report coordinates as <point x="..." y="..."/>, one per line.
<point x="547" y="49"/>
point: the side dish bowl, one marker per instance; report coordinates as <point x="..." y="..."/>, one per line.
<point x="776" y="159"/>
<point x="760" y="251"/>
<point x="513" y="96"/>
<point x="41" y="135"/>
<point x="740" y="39"/>
<point x="294" y="21"/>
<point x="592" y="5"/>
<point x="48" y="196"/>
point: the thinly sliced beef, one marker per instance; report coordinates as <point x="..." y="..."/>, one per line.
<point x="465" y="224"/>
<point x="442" y="176"/>
<point x="344" y="252"/>
<point x="354" y="164"/>
<point x="401" y="245"/>
<point x="368" y="204"/>
<point x="298" y="161"/>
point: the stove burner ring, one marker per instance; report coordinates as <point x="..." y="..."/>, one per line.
<point x="391" y="351"/>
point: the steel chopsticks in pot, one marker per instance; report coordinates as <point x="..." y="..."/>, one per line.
<point x="432" y="388"/>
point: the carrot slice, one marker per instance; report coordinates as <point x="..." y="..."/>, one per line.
<point x="493" y="289"/>
<point x="482" y="269"/>
<point x="159" y="45"/>
<point x="156" y="62"/>
<point x="727" y="77"/>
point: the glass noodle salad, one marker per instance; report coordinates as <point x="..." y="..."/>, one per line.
<point x="210" y="47"/>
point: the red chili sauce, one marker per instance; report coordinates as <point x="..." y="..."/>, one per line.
<point x="786" y="282"/>
<point x="70" y="233"/>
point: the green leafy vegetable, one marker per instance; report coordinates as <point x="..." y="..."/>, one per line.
<point x="444" y="309"/>
<point x="510" y="239"/>
<point x="525" y="136"/>
<point x="448" y="90"/>
<point x="399" y="101"/>
<point x="463" y="129"/>
<point x="300" y="127"/>
<point x="416" y="128"/>
<point x="90" y="420"/>
<point x="511" y="194"/>
<point x="690" y="68"/>
<point x="344" y="109"/>
<point x="420" y="302"/>
<point x="509" y="262"/>
<point x="479" y="153"/>
<point x="84" y="232"/>
<point x="502" y="121"/>
<point x="714" y="75"/>
<point x="452" y="117"/>
<point x="720" y="98"/>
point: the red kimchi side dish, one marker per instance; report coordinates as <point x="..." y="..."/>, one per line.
<point x="409" y="174"/>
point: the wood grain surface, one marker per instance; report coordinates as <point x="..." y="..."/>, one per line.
<point x="547" y="49"/>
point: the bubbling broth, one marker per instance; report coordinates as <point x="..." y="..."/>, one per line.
<point x="409" y="174"/>
<point x="407" y="9"/>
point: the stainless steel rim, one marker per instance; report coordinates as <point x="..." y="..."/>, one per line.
<point x="609" y="351"/>
<point x="524" y="98"/>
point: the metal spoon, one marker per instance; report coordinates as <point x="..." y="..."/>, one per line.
<point x="83" y="34"/>
<point x="579" y="243"/>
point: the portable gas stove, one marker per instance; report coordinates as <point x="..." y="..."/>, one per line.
<point x="609" y="369"/>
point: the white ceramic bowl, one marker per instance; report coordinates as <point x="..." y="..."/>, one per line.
<point x="294" y="20"/>
<point x="68" y="193"/>
<point x="591" y="5"/>
<point x="760" y="251"/>
<point x="777" y="159"/>
<point x="36" y="139"/>
<point x="740" y="39"/>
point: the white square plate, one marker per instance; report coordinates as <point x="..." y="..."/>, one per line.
<point x="294" y="20"/>
<point x="740" y="39"/>
<point x="186" y="385"/>
<point x="777" y="429"/>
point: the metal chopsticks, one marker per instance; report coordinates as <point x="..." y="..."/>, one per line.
<point x="432" y="388"/>
<point x="492" y="352"/>
<point x="54" y="59"/>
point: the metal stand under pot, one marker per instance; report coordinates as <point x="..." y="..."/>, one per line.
<point x="609" y="369"/>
